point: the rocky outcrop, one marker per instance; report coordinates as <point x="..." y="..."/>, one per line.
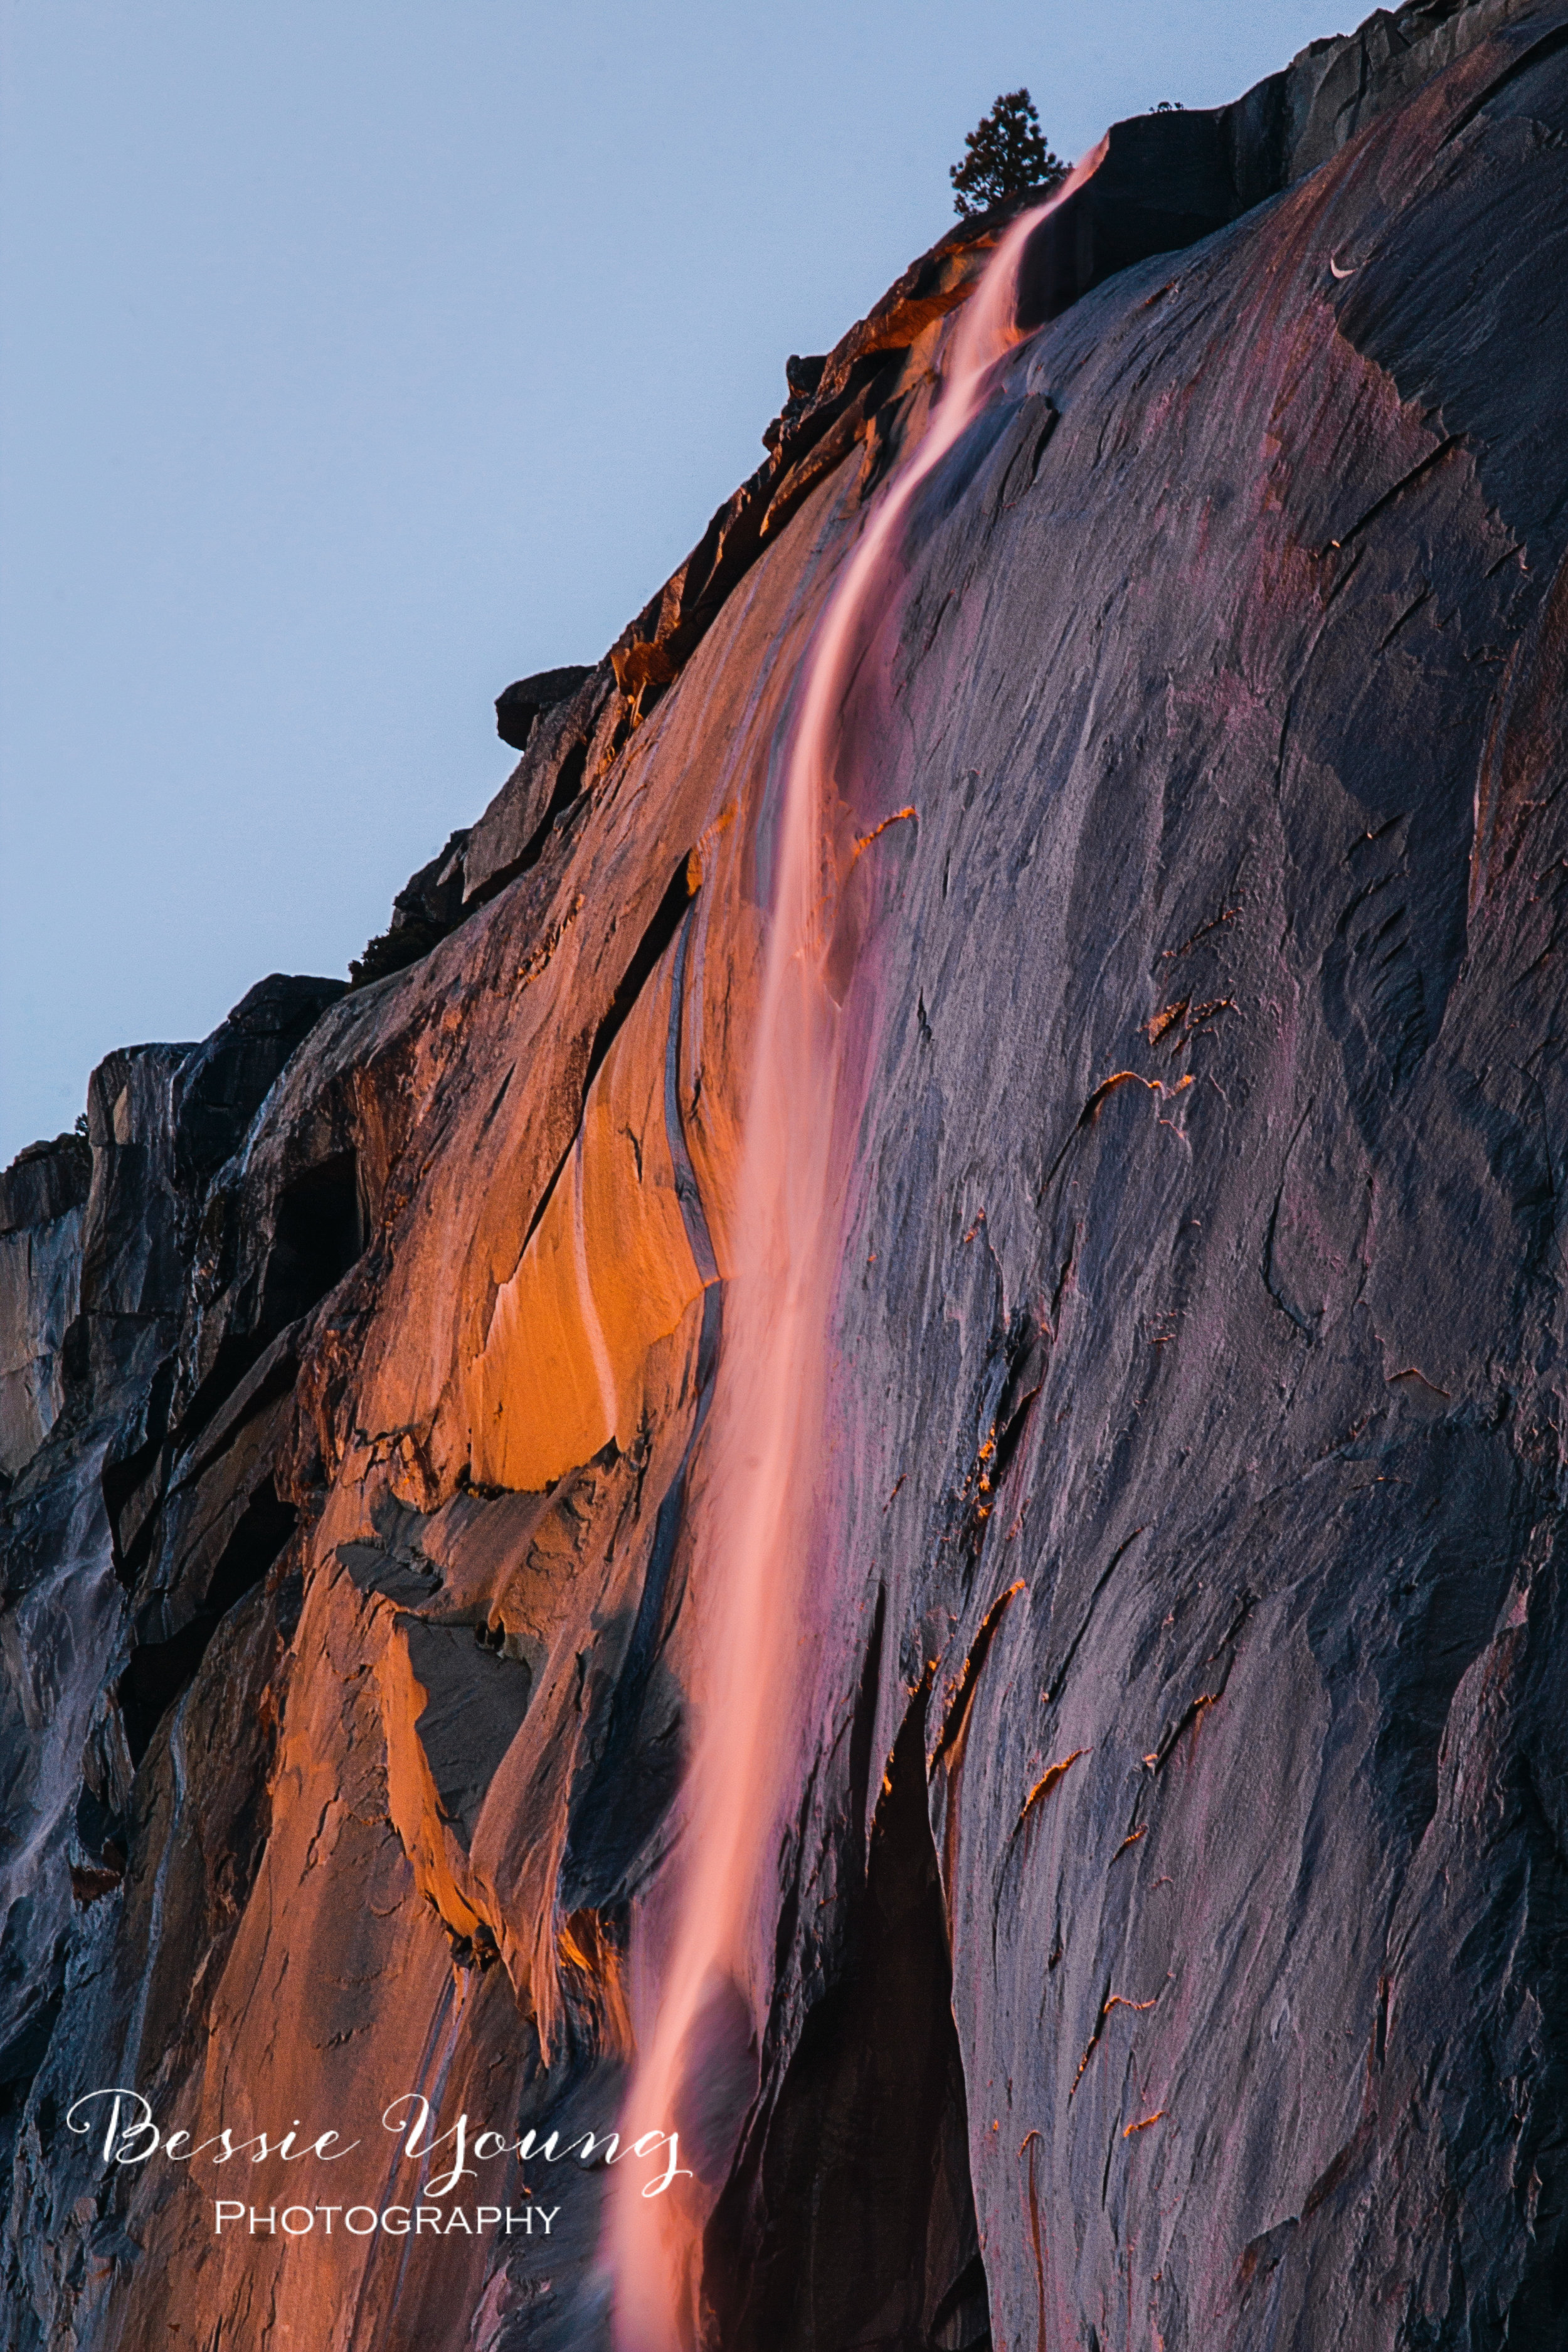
<point x="42" y="1195"/>
<point x="519" y="706"/>
<point x="220" y="1086"/>
<point x="1163" y="1934"/>
<point x="428" y="906"/>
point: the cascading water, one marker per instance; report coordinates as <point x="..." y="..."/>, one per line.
<point x="767" y="1410"/>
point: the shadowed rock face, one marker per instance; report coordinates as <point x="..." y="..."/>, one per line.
<point x="1169" y="1922"/>
<point x="519" y="706"/>
<point x="42" y="1195"/>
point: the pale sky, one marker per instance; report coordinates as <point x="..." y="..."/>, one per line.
<point x="357" y="356"/>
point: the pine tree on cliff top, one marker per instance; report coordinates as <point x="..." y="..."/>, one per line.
<point x="1006" y="156"/>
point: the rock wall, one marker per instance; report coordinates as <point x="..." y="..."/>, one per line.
<point x="1166" y="1939"/>
<point x="42" y="1195"/>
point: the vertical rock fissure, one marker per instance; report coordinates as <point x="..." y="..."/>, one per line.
<point x="661" y="929"/>
<point x="160" y="1673"/>
<point x="607" y="1833"/>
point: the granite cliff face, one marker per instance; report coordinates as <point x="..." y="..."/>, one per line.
<point x="1165" y="1930"/>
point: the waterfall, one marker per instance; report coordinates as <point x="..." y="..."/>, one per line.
<point x="766" y="1427"/>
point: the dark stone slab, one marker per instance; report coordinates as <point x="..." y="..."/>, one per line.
<point x="222" y="1086"/>
<point x="519" y="706"/>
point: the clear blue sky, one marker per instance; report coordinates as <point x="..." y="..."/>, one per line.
<point x="357" y="356"/>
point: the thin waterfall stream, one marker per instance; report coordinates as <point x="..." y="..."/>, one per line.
<point x="766" y="1418"/>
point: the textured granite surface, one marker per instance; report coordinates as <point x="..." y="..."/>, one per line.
<point x="1168" y="1926"/>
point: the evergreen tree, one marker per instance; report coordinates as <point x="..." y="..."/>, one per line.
<point x="1004" y="156"/>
